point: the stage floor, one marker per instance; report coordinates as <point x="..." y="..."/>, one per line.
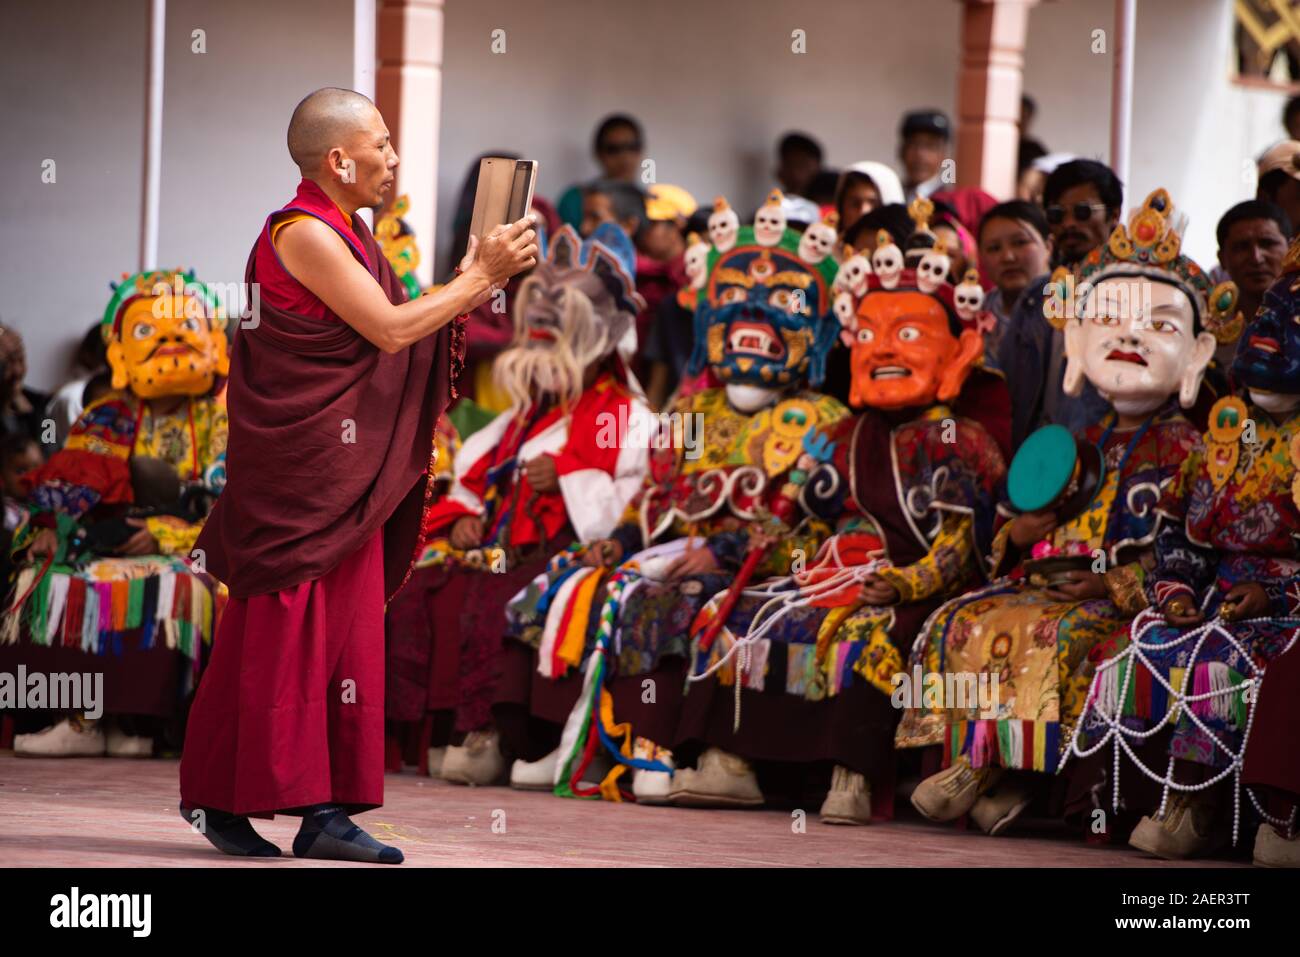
<point x="49" y="811"/>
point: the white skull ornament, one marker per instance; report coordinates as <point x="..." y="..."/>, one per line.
<point x="968" y="297"/>
<point x="696" y="260"/>
<point x="818" y="240"/>
<point x="769" y="221"/>
<point x="724" y="224"/>
<point x="932" y="271"/>
<point x="853" y="273"/>
<point x="887" y="260"/>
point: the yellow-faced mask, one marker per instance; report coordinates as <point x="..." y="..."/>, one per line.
<point x="165" y="337"/>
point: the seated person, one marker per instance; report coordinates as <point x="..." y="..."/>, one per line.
<point x="107" y="579"/>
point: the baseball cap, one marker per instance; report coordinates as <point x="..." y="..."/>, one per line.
<point x="668" y="202"/>
<point x="925" y="121"/>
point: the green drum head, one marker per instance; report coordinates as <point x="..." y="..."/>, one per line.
<point x="1041" y="468"/>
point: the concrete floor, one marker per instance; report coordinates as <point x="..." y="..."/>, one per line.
<point x="49" y="811"/>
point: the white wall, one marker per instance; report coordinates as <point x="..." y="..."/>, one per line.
<point x="714" y="83"/>
<point x="73" y="75"/>
<point x="1195" y="131"/>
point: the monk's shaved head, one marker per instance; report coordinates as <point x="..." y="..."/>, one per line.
<point x="325" y="119"/>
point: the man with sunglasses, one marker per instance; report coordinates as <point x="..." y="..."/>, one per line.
<point x="1082" y="201"/>
<point x="618" y="147"/>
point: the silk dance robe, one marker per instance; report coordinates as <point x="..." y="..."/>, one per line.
<point x="918" y="492"/>
<point x="1041" y="650"/>
<point x="1233" y="518"/>
<point x="330" y="464"/>
<point x="747" y="467"/>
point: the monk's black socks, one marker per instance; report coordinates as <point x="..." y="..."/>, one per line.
<point x="329" y="834"/>
<point x="229" y="833"/>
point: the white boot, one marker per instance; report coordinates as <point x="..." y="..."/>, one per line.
<point x="70" y="738"/>
<point x="720" y="780"/>
<point x="477" y="762"/>
<point x="652" y="787"/>
<point x="123" y="745"/>
<point x="849" y="800"/>
<point x="536" y="775"/>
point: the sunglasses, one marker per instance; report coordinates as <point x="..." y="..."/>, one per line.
<point x="1082" y="212"/>
<point x="616" y="148"/>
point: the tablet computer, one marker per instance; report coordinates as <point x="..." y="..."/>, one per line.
<point x="505" y="193"/>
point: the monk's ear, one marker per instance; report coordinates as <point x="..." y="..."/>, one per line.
<point x="970" y="349"/>
<point x="117" y="363"/>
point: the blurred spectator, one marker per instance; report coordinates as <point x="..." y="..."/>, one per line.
<point x="1014" y="249"/>
<point x="19" y="454"/>
<point x="1279" y="179"/>
<point x="1028" y="110"/>
<point x="922" y="147"/>
<point x="1034" y="172"/>
<point x="892" y="218"/>
<point x="798" y="161"/>
<point x="90" y="381"/>
<point x="618" y="147"/>
<point x="611" y="201"/>
<point x="1252" y="244"/>
<point x="1291" y="117"/>
<point x="1082" y="201"/>
<point x="22" y="410"/>
<point x="824" y="185"/>
<point x="865" y="186"/>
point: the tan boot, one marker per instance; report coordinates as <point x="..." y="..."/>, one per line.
<point x="1186" y="829"/>
<point x="477" y="762"/>
<point x="849" y="800"/>
<point x="1001" y="804"/>
<point x="435" y="758"/>
<point x="952" y="792"/>
<point x="720" y="780"/>
<point x="1274" y="850"/>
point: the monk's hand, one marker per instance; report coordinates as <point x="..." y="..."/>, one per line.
<point x="877" y="591"/>
<point x="1030" y="528"/>
<point x="542" y="474"/>
<point x="507" y="250"/>
<point x="45" y="544"/>
<point x="1181" y="611"/>
<point x="1244" y="600"/>
<point x="1079" y="585"/>
<point x="467" y="532"/>
<point x="142" y="542"/>
<point x="693" y="561"/>
<point x="605" y="553"/>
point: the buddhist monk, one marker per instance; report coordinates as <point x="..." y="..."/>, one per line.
<point x="336" y="383"/>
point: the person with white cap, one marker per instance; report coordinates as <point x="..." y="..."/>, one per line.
<point x="1279" y="178"/>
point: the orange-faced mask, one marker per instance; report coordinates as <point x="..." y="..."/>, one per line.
<point x="167" y="345"/>
<point x="904" y="354"/>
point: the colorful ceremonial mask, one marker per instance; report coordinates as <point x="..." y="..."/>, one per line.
<point x="763" y="317"/>
<point x="571" y="312"/>
<point x="908" y="347"/>
<point x="1145" y="318"/>
<point x="1268" y="356"/>
<point x="166" y="335"/>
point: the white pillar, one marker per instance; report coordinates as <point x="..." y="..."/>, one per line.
<point x="151" y="195"/>
<point x="1121" y="90"/>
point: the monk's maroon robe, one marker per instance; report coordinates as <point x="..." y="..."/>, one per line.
<point x="329" y="469"/>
